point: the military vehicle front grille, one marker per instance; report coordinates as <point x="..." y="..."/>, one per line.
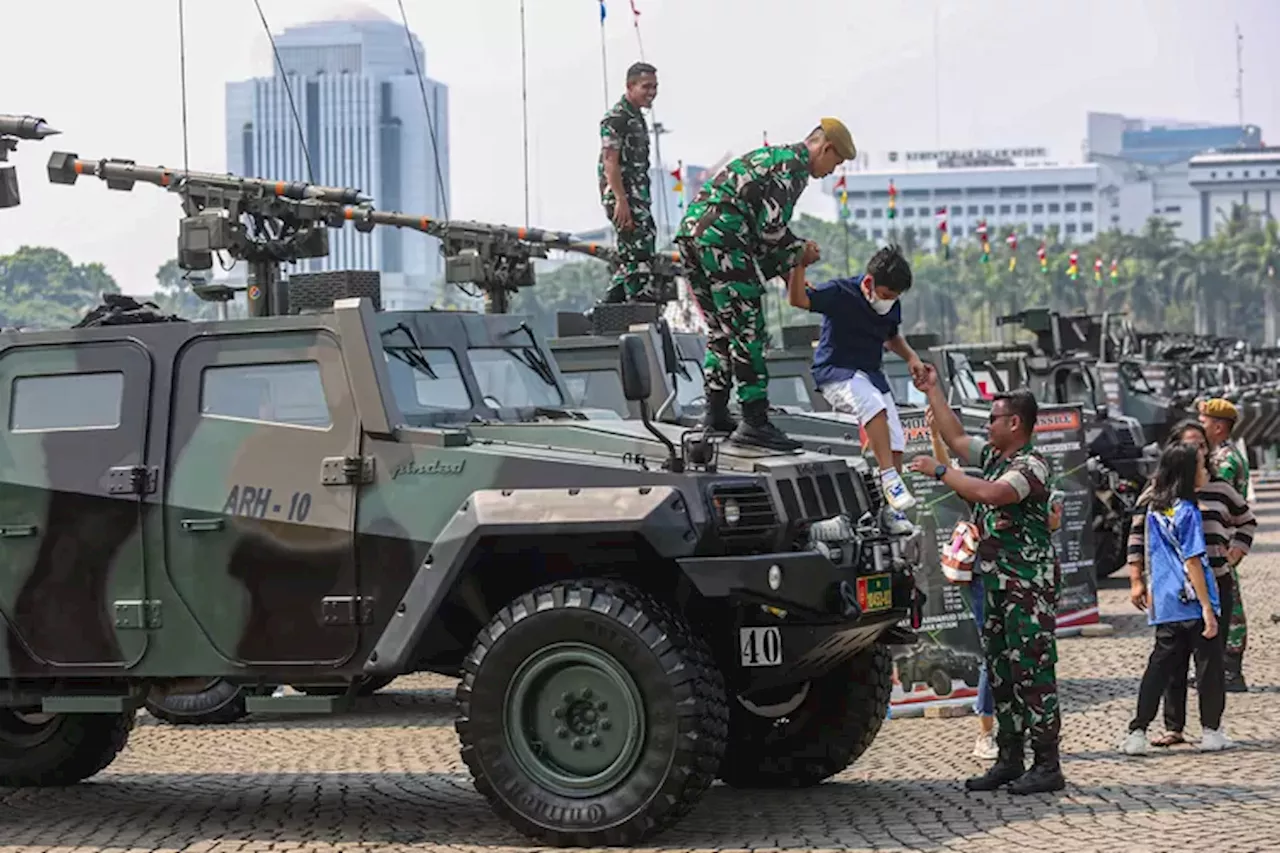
<point x="874" y="495"/>
<point x="756" y="517"/>
<point x="809" y="498"/>
<point x="844" y="482"/>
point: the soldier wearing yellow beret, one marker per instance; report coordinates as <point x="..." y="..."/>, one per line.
<point x="1219" y="416"/>
<point x="735" y="237"/>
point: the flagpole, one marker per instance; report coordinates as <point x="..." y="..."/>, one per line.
<point x="604" y="58"/>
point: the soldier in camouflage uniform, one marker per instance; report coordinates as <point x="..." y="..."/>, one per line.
<point x="623" y="173"/>
<point x="1011" y="510"/>
<point x="1218" y="416"/>
<point x="733" y="238"/>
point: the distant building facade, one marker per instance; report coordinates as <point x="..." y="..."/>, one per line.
<point x="1249" y="178"/>
<point x="363" y="122"/>
<point x="972" y="187"/>
<point x="1146" y="166"/>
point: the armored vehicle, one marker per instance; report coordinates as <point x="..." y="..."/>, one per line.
<point x="326" y="492"/>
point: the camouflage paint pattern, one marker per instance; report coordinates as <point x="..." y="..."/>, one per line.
<point x="623" y="129"/>
<point x="1233" y="468"/>
<point x="251" y="556"/>
<point x="1016" y="538"/>
<point x="1022" y="653"/>
<point x="733" y="238"/>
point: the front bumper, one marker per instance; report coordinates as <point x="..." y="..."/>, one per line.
<point x="821" y="614"/>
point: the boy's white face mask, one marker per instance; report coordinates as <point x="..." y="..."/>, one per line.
<point x="880" y="306"/>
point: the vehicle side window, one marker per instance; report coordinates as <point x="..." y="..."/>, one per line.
<point x="282" y="393"/>
<point x="66" y="401"/>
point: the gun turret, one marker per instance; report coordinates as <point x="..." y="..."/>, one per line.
<point x="13" y="128"/>
<point x="288" y="221"/>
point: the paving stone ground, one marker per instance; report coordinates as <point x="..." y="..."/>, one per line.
<point x="388" y="776"/>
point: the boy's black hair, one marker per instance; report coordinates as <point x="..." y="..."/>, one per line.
<point x="890" y="268"/>
<point x="639" y="68"/>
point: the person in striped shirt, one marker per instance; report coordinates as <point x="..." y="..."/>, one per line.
<point x="1229" y="526"/>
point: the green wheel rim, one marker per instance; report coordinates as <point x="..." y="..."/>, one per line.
<point x="574" y="719"/>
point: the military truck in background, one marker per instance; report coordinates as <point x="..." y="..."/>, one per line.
<point x="326" y="493"/>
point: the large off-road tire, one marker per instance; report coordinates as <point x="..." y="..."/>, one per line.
<point x="46" y="750"/>
<point x="368" y="687"/>
<point x="219" y="704"/>
<point x="836" y="721"/>
<point x="591" y="715"/>
<point x="940" y="682"/>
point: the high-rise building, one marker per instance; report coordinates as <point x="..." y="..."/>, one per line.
<point x="360" y="106"/>
<point x="1221" y="179"/>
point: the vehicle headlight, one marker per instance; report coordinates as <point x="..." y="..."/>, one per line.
<point x="732" y="512"/>
<point x="742" y="512"/>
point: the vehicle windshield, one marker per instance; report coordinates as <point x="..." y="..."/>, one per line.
<point x="426" y="381"/>
<point x="901" y="388"/>
<point x="790" y="391"/>
<point x="689" y="393"/>
<point x="514" y="377"/>
<point x="597" y="389"/>
<point x="962" y="379"/>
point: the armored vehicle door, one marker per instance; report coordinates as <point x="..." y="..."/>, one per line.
<point x="260" y="496"/>
<point x="72" y="479"/>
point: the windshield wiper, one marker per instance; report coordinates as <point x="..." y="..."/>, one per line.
<point x="414" y="357"/>
<point x="535" y="362"/>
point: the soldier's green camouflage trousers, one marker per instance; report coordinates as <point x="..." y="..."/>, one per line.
<point x="1022" y="653"/>
<point x="633" y="275"/>
<point x="1237" y="629"/>
<point x="729" y="292"/>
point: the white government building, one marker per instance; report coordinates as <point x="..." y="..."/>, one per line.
<point x="361" y="109"/>
<point x="1135" y="169"/>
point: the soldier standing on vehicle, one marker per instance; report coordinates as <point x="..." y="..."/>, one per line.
<point x="1011" y="510"/>
<point x="733" y="239"/>
<point x="623" y="173"/>
<point x="1218" y="416"/>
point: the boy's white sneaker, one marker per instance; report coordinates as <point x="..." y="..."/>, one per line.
<point x="1213" y="740"/>
<point x="1136" y="743"/>
<point x="895" y="491"/>
<point x="895" y="523"/>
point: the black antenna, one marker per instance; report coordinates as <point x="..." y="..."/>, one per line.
<point x="431" y="122"/>
<point x="182" y="67"/>
<point x="288" y="90"/>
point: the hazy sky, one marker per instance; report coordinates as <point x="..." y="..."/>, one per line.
<point x="105" y="72"/>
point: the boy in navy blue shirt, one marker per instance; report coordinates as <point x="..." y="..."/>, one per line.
<point x="860" y="319"/>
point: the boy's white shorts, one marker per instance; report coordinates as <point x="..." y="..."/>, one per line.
<point x="858" y="397"/>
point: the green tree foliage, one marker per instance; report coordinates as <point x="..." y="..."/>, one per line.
<point x="40" y="288"/>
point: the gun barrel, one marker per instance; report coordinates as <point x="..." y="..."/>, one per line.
<point x="65" y="167"/>
<point x="25" y="127"/>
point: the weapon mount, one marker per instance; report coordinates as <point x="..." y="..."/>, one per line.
<point x="288" y="221"/>
<point x="12" y="129"/>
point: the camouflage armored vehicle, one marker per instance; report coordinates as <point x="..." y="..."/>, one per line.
<point x="328" y="492"/>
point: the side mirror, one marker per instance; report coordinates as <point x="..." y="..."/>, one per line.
<point x="634" y="364"/>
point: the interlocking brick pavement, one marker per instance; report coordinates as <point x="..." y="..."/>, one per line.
<point x="388" y="776"/>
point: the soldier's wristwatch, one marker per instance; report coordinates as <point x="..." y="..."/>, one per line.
<point x="939" y="471"/>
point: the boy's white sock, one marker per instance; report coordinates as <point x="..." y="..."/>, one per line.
<point x="895" y="490"/>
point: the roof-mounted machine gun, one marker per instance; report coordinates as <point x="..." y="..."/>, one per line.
<point x="13" y="128"/>
<point x="287" y="220"/>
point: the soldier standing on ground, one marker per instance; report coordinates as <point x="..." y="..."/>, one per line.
<point x="733" y="239"/>
<point x="1218" y="416"/>
<point x="623" y="173"/>
<point x="1011" y="510"/>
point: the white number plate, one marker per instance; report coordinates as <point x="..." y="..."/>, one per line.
<point x="760" y="646"/>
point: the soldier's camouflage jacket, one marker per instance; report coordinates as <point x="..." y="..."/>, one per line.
<point x="624" y="129"/>
<point x="1232" y="467"/>
<point x="746" y="208"/>
<point x="1015" y="544"/>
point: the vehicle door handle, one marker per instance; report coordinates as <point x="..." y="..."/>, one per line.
<point x="201" y="525"/>
<point x="17" y="531"/>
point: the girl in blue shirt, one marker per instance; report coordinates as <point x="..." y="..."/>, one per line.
<point x="1182" y="599"/>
